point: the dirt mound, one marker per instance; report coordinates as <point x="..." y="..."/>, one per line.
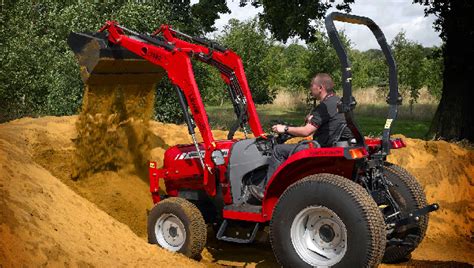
<point x="44" y="223"/>
<point x="446" y="171"/>
<point x="123" y="194"/>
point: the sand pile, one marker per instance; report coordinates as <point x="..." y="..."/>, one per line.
<point x="111" y="149"/>
<point x="123" y="194"/>
<point x="446" y="171"/>
<point x="44" y="223"/>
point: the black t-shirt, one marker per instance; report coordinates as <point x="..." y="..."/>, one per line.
<point x="328" y="121"/>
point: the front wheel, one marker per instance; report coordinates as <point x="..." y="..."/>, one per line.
<point x="177" y="225"/>
<point x="327" y="220"/>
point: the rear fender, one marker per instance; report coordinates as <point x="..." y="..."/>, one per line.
<point x="301" y="165"/>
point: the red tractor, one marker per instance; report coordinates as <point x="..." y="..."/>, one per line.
<point x="341" y="206"/>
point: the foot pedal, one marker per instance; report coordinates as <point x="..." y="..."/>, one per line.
<point x="238" y="237"/>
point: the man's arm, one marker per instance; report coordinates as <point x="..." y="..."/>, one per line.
<point x="303" y="131"/>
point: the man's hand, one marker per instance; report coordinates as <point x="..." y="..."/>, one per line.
<point x="278" y="128"/>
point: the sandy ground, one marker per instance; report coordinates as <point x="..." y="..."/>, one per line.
<point x="43" y="222"/>
<point x="100" y="220"/>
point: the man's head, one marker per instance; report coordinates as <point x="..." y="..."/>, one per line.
<point x="321" y="85"/>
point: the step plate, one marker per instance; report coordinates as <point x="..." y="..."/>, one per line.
<point x="244" y="212"/>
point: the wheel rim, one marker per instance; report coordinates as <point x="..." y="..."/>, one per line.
<point x="319" y="236"/>
<point x="170" y="232"/>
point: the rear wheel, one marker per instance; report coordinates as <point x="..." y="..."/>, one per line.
<point x="177" y="225"/>
<point x="327" y="220"/>
<point x="409" y="195"/>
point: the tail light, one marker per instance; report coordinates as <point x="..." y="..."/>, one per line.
<point x="357" y="153"/>
<point x="397" y="143"/>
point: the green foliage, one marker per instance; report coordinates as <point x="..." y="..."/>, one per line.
<point x="167" y="107"/>
<point x="286" y="19"/>
<point x="323" y="57"/>
<point x="369" y="68"/>
<point x="288" y="67"/>
<point x="409" y="57"/>
<point x="248" y="39"/>
<point x="206" y="12"/>
<point x="433" y="69"/>
<point x="33" y="61"/>
<point x="39" y="73"/>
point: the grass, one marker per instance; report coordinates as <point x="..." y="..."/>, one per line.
<point x="371" y="126"/>
<point x="370" y="112"/>
<point x="371" y="123"/>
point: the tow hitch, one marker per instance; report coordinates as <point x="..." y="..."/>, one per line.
<point x="413" y="216"/>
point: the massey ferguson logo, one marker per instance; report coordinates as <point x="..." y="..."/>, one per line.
<point x="194" y="154"/>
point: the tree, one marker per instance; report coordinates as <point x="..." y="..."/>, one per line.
<point x="287" y="19"/>
<point x="409" y="57"/>
<point x="433" y="72"/>
<point x="369" y="69"/>
<point x="39" y="73"/>
<point x="288" y="67"/>
<point x="249" y="41"/>
<point x="453" y="118"/>
<point x="213" y="89"/>
<point x="323" y="57"/>
<point x="206" y="12"/>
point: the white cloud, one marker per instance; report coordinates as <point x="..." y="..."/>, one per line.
<point x="392" y="16"/>
<point x="241" y="13"/>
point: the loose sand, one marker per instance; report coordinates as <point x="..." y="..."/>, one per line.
<point x="112" y="129"/>
<point x="43" y="222"/>
<point x="100" y="219"/>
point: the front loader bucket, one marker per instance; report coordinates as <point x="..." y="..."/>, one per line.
<point x="118" y="102"/>
<point x="103" y="63"/>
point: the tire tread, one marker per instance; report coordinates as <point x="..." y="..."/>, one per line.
<point x="395" y="254"/>
<point x="196" y="225"/>
<point x="365" y="204"/>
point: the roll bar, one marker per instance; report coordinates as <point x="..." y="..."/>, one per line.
<point x="348" y="102"/>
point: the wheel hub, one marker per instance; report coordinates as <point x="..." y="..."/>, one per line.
<point x="319" y="236"/>
<point x="173" y="231"/>
<point x="170" y="232"/>
<point x="326" y="233"/>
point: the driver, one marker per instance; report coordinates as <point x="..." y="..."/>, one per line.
<point x="324" y="122"/>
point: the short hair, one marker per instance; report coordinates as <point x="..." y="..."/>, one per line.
<point x="324" y="80"/>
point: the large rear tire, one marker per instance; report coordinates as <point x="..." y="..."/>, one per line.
<point x="409" y="195"/>
<point x="327" y="220"/>
<point x="177" y="225"/>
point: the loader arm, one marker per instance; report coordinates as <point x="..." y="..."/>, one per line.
<point x="230" y="65"/>
<point x="177" y="64"/>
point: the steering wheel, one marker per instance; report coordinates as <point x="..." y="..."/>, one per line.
<point x="281" y="138"/>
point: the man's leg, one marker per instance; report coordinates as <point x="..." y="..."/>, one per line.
<point x="280" y="153"/>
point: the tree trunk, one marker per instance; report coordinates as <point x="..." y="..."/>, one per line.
<point x="454" y="118"/>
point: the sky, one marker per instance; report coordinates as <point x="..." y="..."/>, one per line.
<point x="392" y="16"/>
